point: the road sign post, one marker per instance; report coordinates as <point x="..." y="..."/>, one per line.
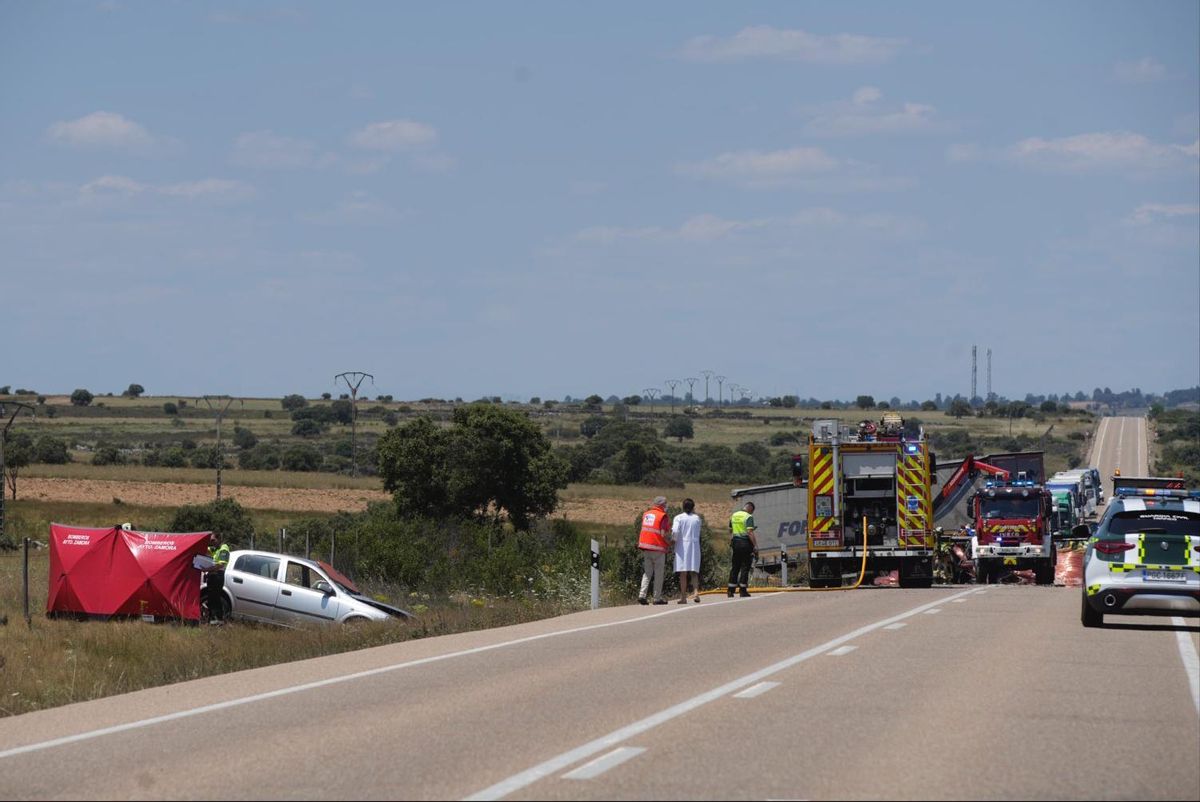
<point x="595" y="574"/>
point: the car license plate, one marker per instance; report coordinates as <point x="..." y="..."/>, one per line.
<point x="1165" y="576"/>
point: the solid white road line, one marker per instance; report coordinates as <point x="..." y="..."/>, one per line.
<point x="897" y="625"/>
<point x="756" y="690"/>
<point x="841" y="650"/>
<point x="1191" y="661"/>
<point x="934" y="611"/>
<point x="603" y="763"/>
<point x="555" y="764"/>
<point x="258" y="697"/>
<point x="958" y="601"/>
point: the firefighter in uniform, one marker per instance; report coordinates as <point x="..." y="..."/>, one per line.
<point x="215" y="578"/>
<point x="744" y="545"/>
<point x="654" y="543"/>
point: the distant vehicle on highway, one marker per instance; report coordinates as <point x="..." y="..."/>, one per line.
<point x="292" y="591"/>
<point x="1144" y="557"/>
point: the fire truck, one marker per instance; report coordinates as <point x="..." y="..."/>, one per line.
<point x="1013" y="530"/>
<point x="876" y="476"/>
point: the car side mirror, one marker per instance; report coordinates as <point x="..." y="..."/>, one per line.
<point x="324" y="587"/>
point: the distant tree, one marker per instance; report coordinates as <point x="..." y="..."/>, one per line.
<point x="549" y="403"/>
<point x="592" y="425"/>
<point x="307" y="427"/>
<point x="223" y="517"/>
<point x="244" y="438"/>
<point x="928" y="406"/>
<point x="390" y="418"/>
<point x="631" y="400"/>
<point x="301" y="458"/>
<point x="636" y="460"/>
<point x="41" y="399"/>
<point x="18" y="453"/>
<point x="593" y="403"/>
<point x="108" y="455"/>
<point x="1049" y="406"/>
<point x="883" y="405"/>
<point x="51" y="451"/>
<point x="207" y="457"/>
<point x="533" y="402"/>
<point x="958" y="408"/>
<point x="293" y="402"/>
<point x="864" y="402"/>
<point x="173" y="457"/>
<point x="679" y="427"/>
<point x="6" y="389"/>
<point x="169" y="408"/>
<point x="133" y="391"/>
<point x="81" y="398"/>
<point x="326" y="396"/>
<point x="343" y="412"/>
<point x="826" y="405"/>
<point x="790" y="402"/>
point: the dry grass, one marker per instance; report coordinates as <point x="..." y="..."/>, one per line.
<point x="55" y="662"/>
<point x="202" y="476"/>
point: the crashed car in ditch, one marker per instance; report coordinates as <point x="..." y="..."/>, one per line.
<point x="292" y="591"/>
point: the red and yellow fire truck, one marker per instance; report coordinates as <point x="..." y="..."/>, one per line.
<point x="877" y="476"/>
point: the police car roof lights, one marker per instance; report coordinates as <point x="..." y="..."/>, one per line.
<point x="1157" y="491"/>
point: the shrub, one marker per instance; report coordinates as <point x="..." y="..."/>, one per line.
<point x="307" y="428"/>
<point x="224" y="517"/>
<point x="293" y="402"/>
<point x="301" y="458"/>
<point x="244" y="438"/>
<point x="170" y="408"/>
<point x="81" y="398"/>
<point x="51" y="451"/>
<point x="108" y="455"/>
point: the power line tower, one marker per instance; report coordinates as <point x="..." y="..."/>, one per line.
<point x="691" y="383"/>
<point x="17" y="406"/>
<point x="651" y="393"/>
<point x="707" y="374"/>
<point x="672" y="383"/>
<point x="720" y="389"/>
<point x="220" y="410"/>
<point x="989" y="374"/>
<point x="974" y="371"/>
<point x="353" y="380"/>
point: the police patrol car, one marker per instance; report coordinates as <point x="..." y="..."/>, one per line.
<point x="1144" y="557"/>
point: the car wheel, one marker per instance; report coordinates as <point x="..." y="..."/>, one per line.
<point x="1090" y="616"/>
<point x="355" y="621"/>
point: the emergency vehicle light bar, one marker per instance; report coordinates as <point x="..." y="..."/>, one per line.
<point x="1157" y="491"/>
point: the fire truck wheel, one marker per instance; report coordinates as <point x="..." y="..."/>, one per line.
<point x="1044" y="574"/>
<point x="983" y="573"/>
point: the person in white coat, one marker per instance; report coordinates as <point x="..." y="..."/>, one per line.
<point x="686" y="531"/>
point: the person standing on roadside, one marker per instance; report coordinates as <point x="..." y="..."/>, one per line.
<point x="686" y="531"/>
<point x="744" y="546"/>
<point x="214" y="581"/>
<point x="653" y="541"/>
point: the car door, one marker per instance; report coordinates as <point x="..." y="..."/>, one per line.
<point x="300" y="601"/>
<point x="253" y="582"/>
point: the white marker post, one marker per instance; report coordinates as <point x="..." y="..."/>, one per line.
<point x="783" y="561"/>
<point x="595" y="575"/>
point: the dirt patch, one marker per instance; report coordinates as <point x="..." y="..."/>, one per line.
<point x="621" y="512"/>
<point x="175" y="494"/>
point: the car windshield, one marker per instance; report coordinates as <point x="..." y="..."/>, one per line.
<point x="1010" y="508"/>
<point x="1162" y="523"/>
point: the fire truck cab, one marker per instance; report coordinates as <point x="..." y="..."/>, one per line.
<point x="875" y="476"/>
<point x="1012" y="530"/>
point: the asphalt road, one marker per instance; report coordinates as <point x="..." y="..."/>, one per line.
<point x="949" y="693"/>
<point x="1120" y="443"/>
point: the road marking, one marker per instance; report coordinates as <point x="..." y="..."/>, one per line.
<point x="897" y="625"/>
<point x="934" y="611"/>
<point x="756" y="690"/>
<point x="557" y="763"/>
<point x="308" y="686"/>
<point x="603" y="763"/>
<point x="841" y="650"/>
<point x="958" y="601"/>
<point x="1191" y="661"/>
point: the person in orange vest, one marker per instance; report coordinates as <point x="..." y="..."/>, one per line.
<point x="654" y="543"/>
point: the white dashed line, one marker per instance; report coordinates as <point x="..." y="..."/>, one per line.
<point x="842" y="650"/>
<point x="603" y="763"/>
<point x="897" y="625"/>
<point x="933" y="611"/>
<point x="756" y="690"/>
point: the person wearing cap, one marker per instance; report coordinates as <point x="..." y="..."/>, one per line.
<point x="654" y="543"/>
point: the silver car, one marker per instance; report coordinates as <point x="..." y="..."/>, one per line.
<point x="292" y="591"/>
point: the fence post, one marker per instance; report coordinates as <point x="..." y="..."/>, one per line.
<point x="307" y="550"/>
<point x="595" y="575"/>
<point x="25" y="580"/>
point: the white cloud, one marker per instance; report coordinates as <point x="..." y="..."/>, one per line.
<point x="1142" y="71"/>
<point x="265" y="149"/>
<point x="863" y="115"/>
<point x="358" y="209"/>
<point x="709" y="228"/>
<point x="759" y="168"/>
<point x="1154" y="212"/>
<point x="393" y="135"/>
<point x="1119" y="151"/>
<point x="113" y="186"/>
<point x="100" y="129"/>
<point x="763" y="41"/>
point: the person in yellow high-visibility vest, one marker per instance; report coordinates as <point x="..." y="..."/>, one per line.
<point x="214" y="580"/>
<point x="744" y="546"/>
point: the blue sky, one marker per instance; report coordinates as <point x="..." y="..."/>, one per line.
<point x="523" y="199"/>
